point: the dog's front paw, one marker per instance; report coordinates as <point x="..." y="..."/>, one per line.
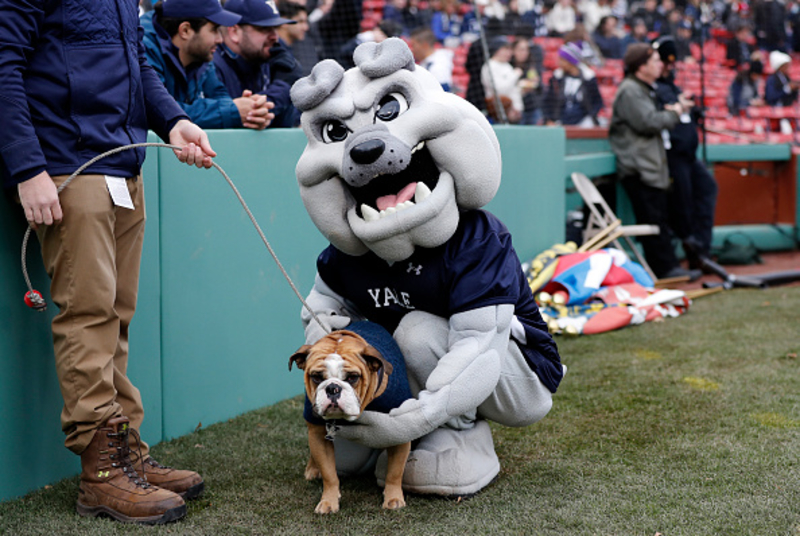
<point x="326" y="506"/>
<point x="312" y="471"/>
<point x="394" y="503"/>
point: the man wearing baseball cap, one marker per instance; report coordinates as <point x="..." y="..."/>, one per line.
<point x="180" y="37"/>
<point x="251" y="58"/>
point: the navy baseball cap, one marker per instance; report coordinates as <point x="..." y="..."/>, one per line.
<point x="262" y="13"/>
<point x="197" y="9"/>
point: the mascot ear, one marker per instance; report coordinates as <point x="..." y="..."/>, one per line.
<point x="311" y="90"/>
<point x="299" y="357"/>
<point x="382" y="59"/>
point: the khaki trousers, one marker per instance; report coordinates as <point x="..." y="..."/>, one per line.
<point x="93" y="258"/>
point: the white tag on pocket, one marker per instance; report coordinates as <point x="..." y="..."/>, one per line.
<point x="118" y="188"/>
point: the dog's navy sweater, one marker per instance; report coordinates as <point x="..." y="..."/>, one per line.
<point x="397" y="391"/>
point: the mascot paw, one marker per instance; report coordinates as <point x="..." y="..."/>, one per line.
<point x="453" y="463"/>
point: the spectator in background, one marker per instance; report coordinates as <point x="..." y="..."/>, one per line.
<point x="770" y="24"/>
<point x="573" y="96"/>
<point x="513" y="23"/>
<point x="609" y="39"/>
<point x="492" y="9"/>
<point x="683" y="42"/>
<point x="439" y="61"/>
<point x="780" y="90"/>
<point x="580" y="38"/>
<point x="739" y="48"/>
<point x="524" y="58"/>
<point x="561" y="18"/>
<point x="499" y="77"/>
<point x="692" y="197"/>
<point x="340" y="21"/>
<point x="536" y="18"/>
<point x="652" y="17"/>
<point x="474" y="65"/>
<point x="383" y="30"/>
<point x="636" y="138"/>
<point x="638" y="34"/>
<point x="408" y="14"/>
<point x="447" y="22"/>
<point x="735" y="15"/>
<point x="592" y="12"/>
<point x="745" y="89"/>
<point x="180" y="45"/>
<point x="251" y="59"/>
<point x="665" y="9"/>
<point x="671" y="22"/>
<point x="296" y="37"/>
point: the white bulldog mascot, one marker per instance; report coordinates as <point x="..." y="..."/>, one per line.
<point x="394" y="175"/>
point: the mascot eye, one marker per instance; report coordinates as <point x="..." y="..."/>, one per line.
<point x="333" y="131"/>
<point x="391" y="106"/>
<point x="352" y="379"/>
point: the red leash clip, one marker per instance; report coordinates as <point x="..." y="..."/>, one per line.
<point x="34" y="300"/>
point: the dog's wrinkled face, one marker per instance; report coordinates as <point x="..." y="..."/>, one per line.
<point x="391" y="157"/>
<point x="342" y="374"/>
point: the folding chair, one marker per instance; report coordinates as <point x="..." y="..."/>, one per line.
<point x="601" y="217"/>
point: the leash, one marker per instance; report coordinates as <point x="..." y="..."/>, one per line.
<point x="34" y="298"/>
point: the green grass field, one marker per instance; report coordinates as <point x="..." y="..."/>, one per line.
<point x="685" y="427"/>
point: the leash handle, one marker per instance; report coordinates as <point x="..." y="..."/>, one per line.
<point x="39" y="303"/>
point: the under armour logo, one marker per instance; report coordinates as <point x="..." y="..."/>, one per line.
<point x="416" y="269"/>
<point x="102" y="474"/>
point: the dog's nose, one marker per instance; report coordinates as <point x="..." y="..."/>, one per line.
<point x="333" y="390"/>
<point x="367" y="152"/>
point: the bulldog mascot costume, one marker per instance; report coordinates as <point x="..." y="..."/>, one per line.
<point x="394" y="175"/>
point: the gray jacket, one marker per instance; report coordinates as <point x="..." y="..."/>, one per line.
<point x="635" y="133"/>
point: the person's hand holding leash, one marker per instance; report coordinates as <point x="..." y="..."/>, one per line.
<point x="196" y="150"/>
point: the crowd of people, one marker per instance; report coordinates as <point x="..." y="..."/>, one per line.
<point x="519" y="82"/>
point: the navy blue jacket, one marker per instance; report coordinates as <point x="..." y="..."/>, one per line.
<point x="683" y="136"/>
<point x="74" y="83"/>
<point x="197" y="90"/>
<point x="777" y="91"/>
<point x="238" y="74"/>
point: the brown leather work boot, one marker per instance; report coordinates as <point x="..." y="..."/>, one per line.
<point x="187" y="484"/>
<point x="111" y="486"/>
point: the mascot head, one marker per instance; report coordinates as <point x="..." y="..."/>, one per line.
<point x="391" y="157"/>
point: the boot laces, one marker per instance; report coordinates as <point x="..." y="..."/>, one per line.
<point x="122" y="458"/>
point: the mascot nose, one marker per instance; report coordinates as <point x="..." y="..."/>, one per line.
<point x="367" y="152"/>
<point x="333" y="390"/>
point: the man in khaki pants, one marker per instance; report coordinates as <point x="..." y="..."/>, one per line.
<point x="74" y="84"/>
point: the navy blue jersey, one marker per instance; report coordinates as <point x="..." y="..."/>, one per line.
<point x="476" y="268"/>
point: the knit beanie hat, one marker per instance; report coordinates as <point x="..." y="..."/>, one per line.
<point x="570" y="52"/>
<point x="636" y="56"/>
<point x="778" y="59"/>
<point x="667" y="50"/>
<point x="496" y="43"/>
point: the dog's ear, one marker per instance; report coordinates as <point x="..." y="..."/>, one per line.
<point x="299" y="357"/>
<point x="375" y="360"/>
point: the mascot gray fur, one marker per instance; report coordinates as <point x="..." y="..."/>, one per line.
<point x="394" y="175"/>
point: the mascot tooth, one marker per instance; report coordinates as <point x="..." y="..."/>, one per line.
<point x="394" y="175"/>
